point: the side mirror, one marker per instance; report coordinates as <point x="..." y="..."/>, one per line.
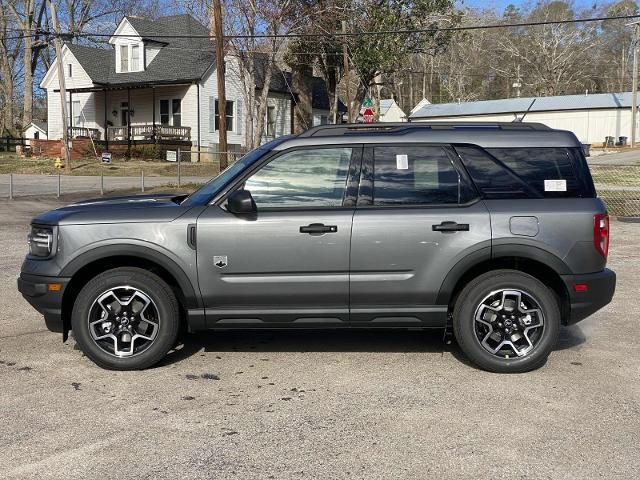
<point x="241" y="202"/>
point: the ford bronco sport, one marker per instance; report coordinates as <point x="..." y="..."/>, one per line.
<point x="491" y="231"/>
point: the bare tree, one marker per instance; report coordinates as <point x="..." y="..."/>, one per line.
<point x="9" y="52"/>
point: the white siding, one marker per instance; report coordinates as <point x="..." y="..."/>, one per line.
<point x="54" y="112"/>
<point x="79" y="78"/>
<point x="590" y="126"/>
<point x="234" y="89"/>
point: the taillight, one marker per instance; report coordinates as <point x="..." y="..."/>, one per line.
<point x="601" y="234"/>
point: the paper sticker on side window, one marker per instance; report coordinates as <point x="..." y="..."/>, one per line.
<point x="402" y="162"/>
<point x="555" y="185"/>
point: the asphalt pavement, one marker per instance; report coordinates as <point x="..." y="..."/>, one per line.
<point x="292" y="405"/>
<point x="47" y="185"/>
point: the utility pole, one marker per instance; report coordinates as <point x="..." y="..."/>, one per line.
<point x="345" y="58"/>
<point x="634" y="88"/>
<point x="63" y="91"/>
<point x="220" y="73"/>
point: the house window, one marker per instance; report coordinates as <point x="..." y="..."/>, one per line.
<point x="135" y="58"/>
<point x="271" y="121"/>
<point x="164" y="112"/>
<point x="171" y="112"/>
<point x="36" y="135"/>
<point x="74" y="110"/>
<point x="229" y="111"/>
<point x="70" y="67"/>
<point x="124" y="58"/>
<point x="176" y="112"/>
<point x="324" y="120"/>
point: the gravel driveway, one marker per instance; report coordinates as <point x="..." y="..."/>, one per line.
<point x="363" y="405"/>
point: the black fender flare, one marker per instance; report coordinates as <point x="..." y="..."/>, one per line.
<point x="192" y="298"/>
<point x="497" y="252"/>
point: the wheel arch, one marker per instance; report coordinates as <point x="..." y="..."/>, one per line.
<point x="536" y="262"/>
<point x="86" y="266"/>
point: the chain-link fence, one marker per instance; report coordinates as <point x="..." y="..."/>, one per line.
<point x="619" y="187"/>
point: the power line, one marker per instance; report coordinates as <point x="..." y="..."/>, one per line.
<point x="375" y="32"/>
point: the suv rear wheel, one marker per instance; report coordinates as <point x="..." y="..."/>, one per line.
<point x="506" y="321"/>
<point x="126" y="319"/>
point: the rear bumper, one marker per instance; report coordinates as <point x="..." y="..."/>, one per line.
<point x="599" y="292"/>
<point x="35" y="290"/>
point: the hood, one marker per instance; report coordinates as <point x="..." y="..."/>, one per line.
<point x="134" y="208"/>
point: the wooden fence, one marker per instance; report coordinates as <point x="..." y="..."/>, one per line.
<point x="8" y="144"/>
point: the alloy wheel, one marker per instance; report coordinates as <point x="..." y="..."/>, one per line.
<point x="509" y="323"/>
<point x="124" y="321"/>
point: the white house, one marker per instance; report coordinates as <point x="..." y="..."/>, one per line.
<point x="592" y="117"/>
<point x="154" y="85"/>
<point x="390" y="111"/>
<point x="35" y="131"/>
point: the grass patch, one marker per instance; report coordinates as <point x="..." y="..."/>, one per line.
<point x="623" y="176"/>
<point x="10" y="163"/>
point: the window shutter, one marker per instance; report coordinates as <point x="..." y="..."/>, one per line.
<point x="212" y="114"/>
<point x="239" y="117"/>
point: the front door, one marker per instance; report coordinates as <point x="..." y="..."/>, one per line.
<point x="289" y="264"/>
<point x="417" y="217"/>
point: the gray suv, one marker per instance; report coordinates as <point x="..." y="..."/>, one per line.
<point x="490" y="231"/>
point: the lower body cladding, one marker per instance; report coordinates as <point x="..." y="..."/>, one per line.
<point x="587" y="294"/>
<point x="45" y="295"/>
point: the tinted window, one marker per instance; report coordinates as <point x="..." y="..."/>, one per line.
<point x="492" y="179"/>
<point x="303" y="178"/>
<point x="525" y="172"/>
<point x="416" y="175"/>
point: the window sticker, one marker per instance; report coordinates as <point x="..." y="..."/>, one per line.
<point x="402" y="162"/>
<point x="555" y="185"/>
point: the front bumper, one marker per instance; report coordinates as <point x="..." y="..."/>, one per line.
<point x="35" y="290"/>
<point x="600" y="288"/>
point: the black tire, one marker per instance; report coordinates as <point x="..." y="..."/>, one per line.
<point x="470" y="299"/>
<point x="164" y="302"/>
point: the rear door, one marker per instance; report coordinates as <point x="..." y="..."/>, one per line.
<point x="417" y="217"/>
<point x="289" y="264"/>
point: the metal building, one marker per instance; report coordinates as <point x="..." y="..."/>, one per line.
<point x="592" y="117"/>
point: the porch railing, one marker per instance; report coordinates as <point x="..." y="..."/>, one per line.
<point x="149" y="132"/>
<point x="76" y="132"/>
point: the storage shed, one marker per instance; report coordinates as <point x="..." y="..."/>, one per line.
<point x="592" y="117"/>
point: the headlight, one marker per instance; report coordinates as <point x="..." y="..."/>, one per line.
<point x="40" y="241"/>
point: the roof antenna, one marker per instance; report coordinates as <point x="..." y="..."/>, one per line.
<point x="521" y="119"/>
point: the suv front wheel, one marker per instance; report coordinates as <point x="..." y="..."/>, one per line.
<point x="506" y="321"/>
<point x="126" y="319"/>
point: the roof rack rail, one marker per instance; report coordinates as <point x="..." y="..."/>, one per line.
<point x="406" y="127"/>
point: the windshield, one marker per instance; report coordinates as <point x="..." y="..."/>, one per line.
<point x="209" y="190"/>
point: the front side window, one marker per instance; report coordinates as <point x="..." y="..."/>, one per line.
<point x="417" y="175"/>
<point x="302" y="178"/>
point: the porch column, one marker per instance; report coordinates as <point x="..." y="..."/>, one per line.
<point x="106" y="124"/>
<point x="153" y="108"/>
<point x="129" y="123"/>
<point x="71" y="112"/>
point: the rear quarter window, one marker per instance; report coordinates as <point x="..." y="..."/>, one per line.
<point x="526" y="172"/>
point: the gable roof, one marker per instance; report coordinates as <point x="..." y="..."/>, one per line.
<point x="521" y="105"/>
<point x="42" y="126"/>
<point x="179" y="60"/>
<point x="386" y="104"/>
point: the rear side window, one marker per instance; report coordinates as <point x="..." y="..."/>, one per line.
<point x="525" y="172"/>
<point x="417" y="175"/>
